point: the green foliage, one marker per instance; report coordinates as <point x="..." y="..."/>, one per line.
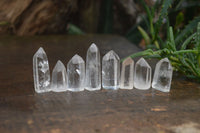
<point x="188" y="30"/>
<point x="183" y="49"/>
<point x="74" y="30"/>
<point x="3" y="23"/>
<point x="163" y="14"/>
<point x="106" y="18"/>
<point x="144" y="35"/>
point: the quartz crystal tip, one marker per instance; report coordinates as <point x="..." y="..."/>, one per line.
<point x="93" y="69"/>
<point x="142" y="75"/>
<point x="41" y="71"/>
<point x="76" y="74"/>
<point x="76" y="59"/>
<point x="126" y="81"/>
<point x="59" y="78"/>
<point x="110" y="70"/>
<point x="111" y="55"/>
<point x="93" y="48"/>
<point x="162" y="76"/>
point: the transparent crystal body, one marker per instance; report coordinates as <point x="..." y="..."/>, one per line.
<point x="126" y="81"/>
<point x="93" y="69"/>
<point x="41" y="71"/>
<point x="162" y="75"/>
<point x="76" y="74"/>
<point x="110" y="70"/>
<point x="142" y="75"/>
<point x="59" y="78"/>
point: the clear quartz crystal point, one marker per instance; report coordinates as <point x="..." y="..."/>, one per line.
<point x="76" y="74"/>
<point x="142" y="75"/>
<point x="126" y="81"/>
<point x="110" y="70"/>
<point x="41" y="71"/>
<point x="162" y="76"/>
<point x="59" y="79"/>
<point x="93" y="70"/>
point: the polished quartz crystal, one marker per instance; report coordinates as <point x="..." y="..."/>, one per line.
<point x="142" y="75"/>
<point x="76" y="74"/>
<point x="93" y="69"/>
<point x="110" y="70"/>
<point x="126" y="81"/>
<point x="41" y="71"/>
<point x="162" y="75"/>
<point x="59" y="78"/>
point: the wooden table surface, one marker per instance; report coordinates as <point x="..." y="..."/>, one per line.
<point x="24" y="111"/>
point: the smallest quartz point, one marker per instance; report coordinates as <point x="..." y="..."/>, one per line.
<point x="59" y="78"/>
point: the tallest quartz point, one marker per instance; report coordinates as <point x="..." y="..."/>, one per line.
<point x="41" y="71"/>
<point x="93" y="70"/>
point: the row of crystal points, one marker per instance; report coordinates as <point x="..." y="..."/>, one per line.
<point x="78" y="78"/>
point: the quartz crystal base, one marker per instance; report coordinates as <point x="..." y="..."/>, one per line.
<point x="76" y="74"/>
<point x="59" y="79"/>
<point x="41" y="71"/>
<point x="126" y="81"/>
<point x="110" y="70"/>
<point x="142" y="75"/>
<point x="93" y="69"/>
<point x="162" y="76"/>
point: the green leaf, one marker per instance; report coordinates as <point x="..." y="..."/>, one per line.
<point x="179" y="19"/>
<point x="150" y="14"/>
<point x="144" y="35"/>
<point x="74" y="30"/>
<point x="187" y="41"/>
<point x="171" y="40"/>
<point x="197" y="39"/>
<point x="165" y="6"/>
<point x="134" y="35"/>
<point x="3" y="23"/>
<point x="147" y="9"/>
<point x="106" y="17"/>
<point x="187" y="31"/>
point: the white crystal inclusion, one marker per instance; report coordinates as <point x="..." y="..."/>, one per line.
<point x="110" y="70"/>
<point x="142" y="75"/>
<point x="76" y="74"/>
<point x="41" y="71"/>
<point x="162" y="75"/>
<point x="126" y="81"/>
<point x="59" y="79"/>
<point x="93" y="70"/>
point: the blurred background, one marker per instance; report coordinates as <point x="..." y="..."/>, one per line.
<point x="43" y="17"/>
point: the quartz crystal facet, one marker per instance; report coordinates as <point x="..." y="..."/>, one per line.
<point x="110" y="70"/>
<point x="59" y="79"/>
<point x="142" y="75"/>
<point x="126" y="81"/>
<point x="41" y="71"/>
<point x="162" y="75"/>
<point x="76" y="74"/>
<point x="93" y="70"/>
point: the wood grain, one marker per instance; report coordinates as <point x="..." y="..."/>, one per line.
<point x="24" y="111"/>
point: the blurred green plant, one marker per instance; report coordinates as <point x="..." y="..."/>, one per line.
<point x="106" y="17"/>
<point x="74" y="30"/>
<point x="183" y="49"/>
<point x="3" y="23"/>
